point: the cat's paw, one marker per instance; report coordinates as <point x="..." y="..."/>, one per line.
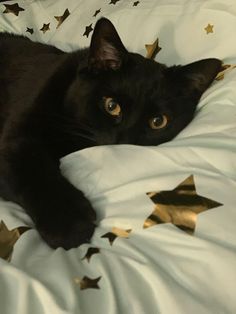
<point x="71" y="222"/>
<point x="69" y="235"/>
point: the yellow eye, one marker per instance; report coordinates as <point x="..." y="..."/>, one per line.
<point x="112" y="107"/>
<point x="158" y="122"/>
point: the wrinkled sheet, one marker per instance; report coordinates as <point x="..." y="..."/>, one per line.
<point x="138" y="264"/>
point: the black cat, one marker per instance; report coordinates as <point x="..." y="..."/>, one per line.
<point x="53" y="103"/>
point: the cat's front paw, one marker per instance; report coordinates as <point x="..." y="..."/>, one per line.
<point x="68" y="235"/>
<point x="70" y="223"/>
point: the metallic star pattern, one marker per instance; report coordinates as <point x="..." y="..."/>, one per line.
<point x="30" y="30"/>
<point x="8" y="239"/>
<point x="97" y="12"/>
<point x="88" y="283"/>
<point x="153" y="49"/>
<point x="90" y="252"/>
<point x="45" y="28"/>
<point x="179" y="206"/>
<point x="88" y="30"/>
<point x="209" y="29"/>
<point x="62" y="18"/>
<point x="115" y="233"/>
<point x="225" y="69"/>
<point x="114" y="1"/>
<point x="13" y="8"/>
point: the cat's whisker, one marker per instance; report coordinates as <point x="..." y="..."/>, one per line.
<point x="77" y="133"/>
<point x="69" y="127"/>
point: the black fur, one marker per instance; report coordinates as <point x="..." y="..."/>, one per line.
<point x="52" y="103"/>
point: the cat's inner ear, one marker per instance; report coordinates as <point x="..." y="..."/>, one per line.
<point x="106" y="49"/>
<point x="201" y="74"/>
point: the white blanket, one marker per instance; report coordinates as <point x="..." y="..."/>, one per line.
<point x="138" y="264"/>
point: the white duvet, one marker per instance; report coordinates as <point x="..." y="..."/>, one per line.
<point x="137" y="265"/>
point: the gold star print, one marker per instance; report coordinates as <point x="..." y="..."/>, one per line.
<point x="179" y="206"/>
<point x="114" y="1"/>
<point x="8" y="239"/>
<point x="115" y="233"/>
<point x="209" y="29"/>
<point x="91" y="251"/>
<point x="88" y="30"/>
<point x="30" y="30"/>
<point x="224" y="70"/>
<point x="152" y="49"/>
<point x="62" y="18"/>
<point x="88" y="283"/>
<point x="45" y="28"/>
<point x="13" y="8"/>
<point x="97" y="12"/>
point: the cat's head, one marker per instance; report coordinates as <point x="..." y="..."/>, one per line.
<point x="122" y="97"/>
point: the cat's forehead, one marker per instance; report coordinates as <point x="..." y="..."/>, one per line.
<point x="140" y="81"/>
<point x="146" y="78"/>
<point x="147" y="67"/>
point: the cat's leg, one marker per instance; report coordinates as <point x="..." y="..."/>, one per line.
<point x="30" y="177"/>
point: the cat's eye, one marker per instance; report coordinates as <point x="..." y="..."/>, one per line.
<point x="158" y="122"/>
<point x="112" y="107"/>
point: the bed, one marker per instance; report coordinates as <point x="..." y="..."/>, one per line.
<point x="166" y="236"/>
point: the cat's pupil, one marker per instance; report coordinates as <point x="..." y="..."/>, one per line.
<point x="112" y="105"/>
<point x="157" y="121"/>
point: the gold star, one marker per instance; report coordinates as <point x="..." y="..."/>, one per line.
<point x="97" y="12"/>
<point x="88" y="29"/>
<point x="13" y="8"/>
<point x="116" y="232"/>
<point x="45" y="28"/>
<point x="30" y="30"/>
<point x="62" y="18"/>
<point x="152" y="49"/>
<point x="114" y="1"/>
<point x="209" y="28"/>
<point x="8" y="239"/>
<point x="179" y="206"/>
<point x="88" y="283"/>
<point x="91" y="251"/>
<point x="224" y="70"/>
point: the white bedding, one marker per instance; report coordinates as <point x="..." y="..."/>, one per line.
<point x="159" y="269"/>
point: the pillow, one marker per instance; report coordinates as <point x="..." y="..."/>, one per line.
<point x="187" y="30"/>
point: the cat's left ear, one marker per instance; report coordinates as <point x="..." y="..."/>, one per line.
<point x="200" y="74"/>
<point x="106" y="49"/>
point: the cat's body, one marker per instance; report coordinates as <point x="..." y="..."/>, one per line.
<point x="53" y="103"/>
<point x="27" y="68"/>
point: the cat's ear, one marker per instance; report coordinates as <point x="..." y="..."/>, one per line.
<point x="106" y="48"/>
<point x="200" y="74"/>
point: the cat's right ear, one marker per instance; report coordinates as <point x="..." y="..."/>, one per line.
<point x="200" y="74"/>
<point x="106" y="49"/>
